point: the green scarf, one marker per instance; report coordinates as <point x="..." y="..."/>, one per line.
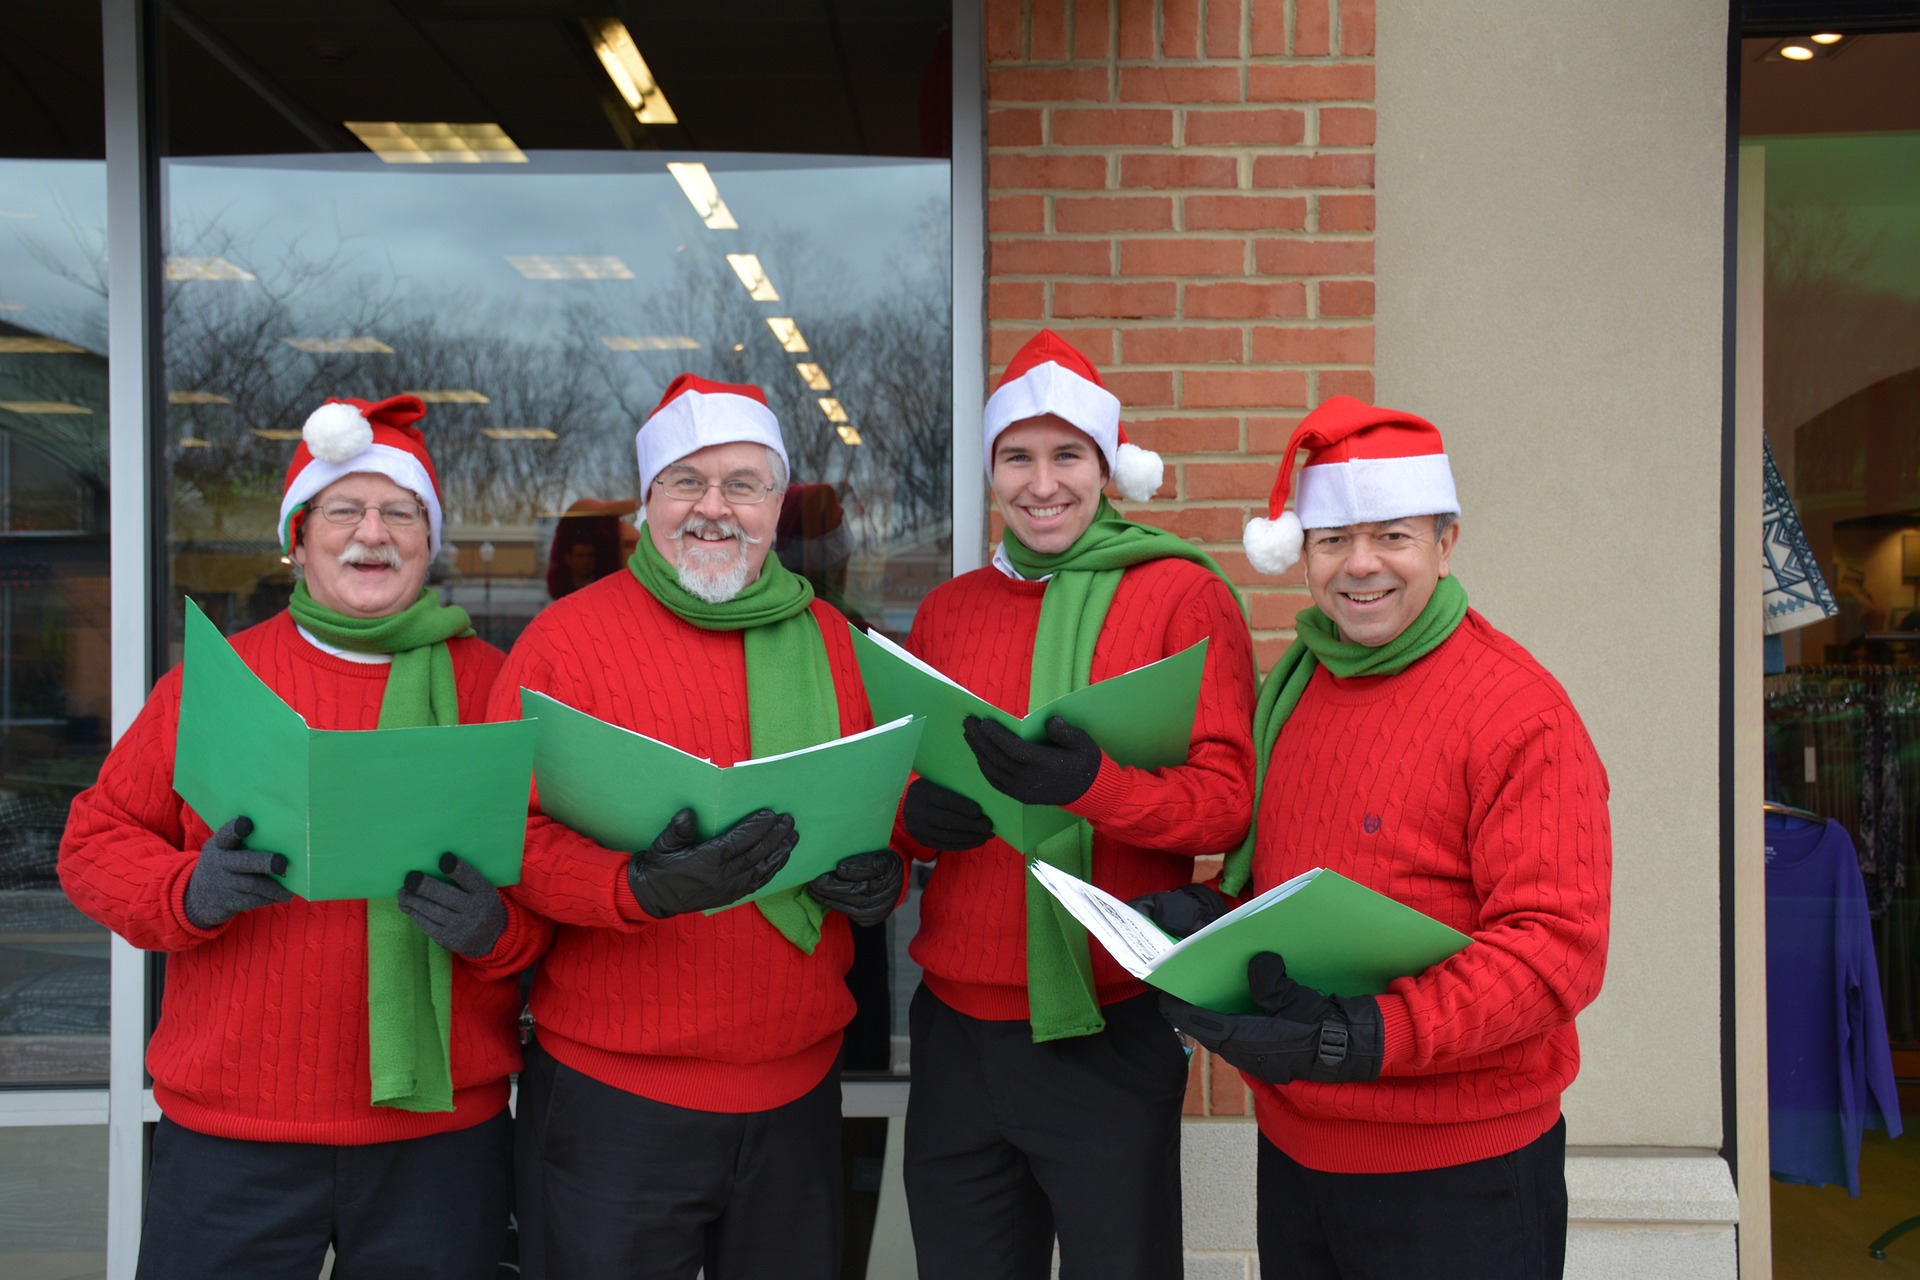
<point x="790" y="695"/>
<point x="1060" y="996"/>
<point x="1319" y="643"/>
<point x="409" y="976"/>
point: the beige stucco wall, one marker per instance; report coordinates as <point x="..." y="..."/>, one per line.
<point x="1551" y="179"/>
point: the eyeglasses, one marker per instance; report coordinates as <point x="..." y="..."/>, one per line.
<point x="400" y="515"/>
<point x="739" y="491"/>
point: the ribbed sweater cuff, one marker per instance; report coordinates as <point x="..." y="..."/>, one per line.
<point x="1110" y="787"/>
<point x="1396" y="1023"/>
<point x="373" y="1124"/>
<point x="177" y="897"/>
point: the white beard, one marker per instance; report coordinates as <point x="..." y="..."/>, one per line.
<point x="715" y="576"/>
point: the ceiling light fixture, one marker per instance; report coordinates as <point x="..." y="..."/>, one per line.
<point x="39" y="407"/>
<point x="1796" y="52"/>
<point x="847" y="434"/>
<point x="8" y="304"/>
<point x="753" y="276"/>
<point x="702" y="194"/>
<point x="449" y="397"/>
<point x="340" y="346"/>
<point x="569" y="266"/>
<point x="436" y="142"/>
<point x="194" y="442"/>
<point x="814" y="376"/>
<point x="651" y="342"/>
<point x="518" y="433"/>
<point x="788" y="333"/>
<point x="196" y="397"/>
<point x="1828" y="37"/>
<point x="613" y="45"/>
<point x="37" y="346"/>
<point x="206" y="269"/>
<point x="277" y="433"/>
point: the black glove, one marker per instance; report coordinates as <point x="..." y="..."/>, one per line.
<point x="1054" y="772"/>
<point x="943" y="819"/>
<point x="230" y="879"/>
<point x="1303" y="1035"/>
<point x="466" y="917"/>
<point x="676" y="875"/>
<point x="864" y="888"/>
<point x="1188" y="909"/>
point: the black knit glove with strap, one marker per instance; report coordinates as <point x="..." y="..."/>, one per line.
<point x="466" y="917"/>
<point x="680" y="872"/>
<point x="230" y="879"/>
<point x="1183" y="911"/>
<point x="864" y="888"/>
<point x="1302" y="1035"/>
<point x="1057" y="771"/>
<point x="942" y="819"/>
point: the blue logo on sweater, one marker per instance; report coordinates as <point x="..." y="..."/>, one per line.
<point x="1370" y="824"/>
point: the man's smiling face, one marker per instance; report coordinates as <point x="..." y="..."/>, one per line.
<point x="1373" y="579"/>
<point x="1047" y="478"/>
<point x="718" y="547"/>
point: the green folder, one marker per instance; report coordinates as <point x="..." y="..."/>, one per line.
<point x="1337" y="936"/>
<point x="620" y="788"/>
<point x="353" y="810"/>
<point x="1143" y="718"/>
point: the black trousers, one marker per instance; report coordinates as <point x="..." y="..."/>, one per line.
<point x="1010" y="1143"/>
<point x="1503" y="1218"/>
<point x="430" y="1208"/>
<point x="616" y="1185"/>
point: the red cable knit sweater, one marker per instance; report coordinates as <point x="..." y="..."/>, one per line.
<point x="715" y="1013"/>
<point x="263" y="1030"/>
<point x="1465" y="786"/>
<point x="1148" y="825"/>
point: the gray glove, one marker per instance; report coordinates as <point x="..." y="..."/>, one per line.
<point x="230" y="879"/>
<point x="864" y="887"/>
<point x="676" y="875"/>
<point x="466" y="917"/>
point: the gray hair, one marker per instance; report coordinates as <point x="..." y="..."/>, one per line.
<point x="1443" y="521"/>
<point x="777" y="467"/>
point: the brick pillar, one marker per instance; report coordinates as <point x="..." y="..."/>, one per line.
<point x="1184" y="190"/>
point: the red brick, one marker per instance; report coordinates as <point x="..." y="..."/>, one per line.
<point x="1233" y="563"/>
<point x="1312" y="29"/>
<point x="1045" y="172"/>
<point x="1179" y="84"/>
<point x="1132" y="301"/>
<point x="1113" y="213"/>
<point x="1223" y="28"/>
<point x="1356" y="28"/>
<point x="1268" y="650"/>
<point x="1186" y="435"/>
<point x="1244" y="300"/>
<point x="1346" y="297"/>
<point x="1326" y="169"/>
<point x="1287" y="257"/>
<point x="1180" y="29"/>
<point x="1274" y="610"/>
<point x="1136" y="28"/>
<point x="1142" y="387"/>
<point x="1245" y="213"/>
<point x="1345" y="213"/>
<point x="1357" y="383"/>
<point x="1244" y="481"/>
<point x="1047" y="84"/>
<point x="1182" y="257"/>
<point x="1017" y="213"/>
<point x="1004" y="23"/>
<point x="1159" y="171"/>
<point x="1195" y="1101"/>
<point x="1018" y="127"/>
<point x="1243" y="389"/>
<point x="1269" y="435"/>
<point x="1048" y="31"/>
<point x="1272" y="126"/>
<point x="1269" y="29"/>
<point x="1346" y="126"/>
<point x="1091" y="19"/>
<point x="1096" y="344"/>
<point x="1310" y="83"/>
<point x="1050" y="257"/>
<point x="1183" y="346"/>
<point x="1228" y="1089"/>
<point x="1011" y="300"/>
<point x="1096" y="127"/>
<point x="1196" y="524"/>
<point x="1313" y="346"/>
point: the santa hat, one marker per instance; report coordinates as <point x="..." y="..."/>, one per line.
<point x="346" y="436"/>
<point x="697" y="412"/>
<point x="1048" y="376"/>
<point x="1364" y="463"/>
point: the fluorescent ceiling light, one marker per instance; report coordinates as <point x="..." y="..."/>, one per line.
<point x="831" y="407"/>
<point x="196" y="397"/>
<point x="753" y="276"/>
<point x="34" y="346"/>
<point x="8" y="304"/>
<point x="652" y="342"/>
<point x="518" y="433"/>
<point x="436" y="142"/>
<point x="697" y="183"/>
<point x="277" y="433"/>
<point x="194" y="442"/>
<point x="788" y="333"/>
<point x="569" y="266"/>
<point x="814" y="376"/>
<point x="340" y="346"/>
<point x="847" y="434"/>
<point x="1828" y="37"/>
<point x="205" y="269"/>
<point x="1796" y="52"/>
<point x="42" y="407"/>
<point x="614" y="46"/>
<point x="449" y="397"/>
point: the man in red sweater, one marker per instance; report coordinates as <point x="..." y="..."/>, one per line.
<point x="298" y="1111"/>
<point x="681" y="1107"/>
<point x="1046" y="1088"/>
<point x="1408" y="745"/>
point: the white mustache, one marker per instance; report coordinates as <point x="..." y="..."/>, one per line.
<point x="695" y="524"/>
<point x="361" y="553"/>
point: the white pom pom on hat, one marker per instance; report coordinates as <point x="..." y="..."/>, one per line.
<point x="336" y="431"/>
<point x="1049" y="376"/>
<point x="1364" y="463"/>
